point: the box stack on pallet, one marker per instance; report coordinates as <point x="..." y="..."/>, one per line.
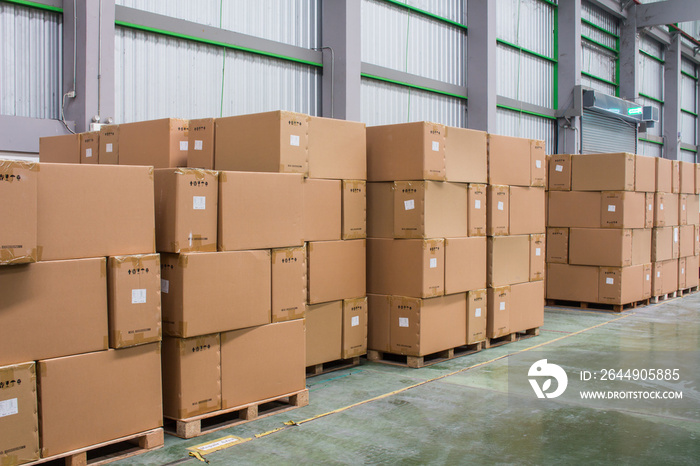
<point x="686" y="235"/>
<point x="80" y="322"/>
<point x="516" y="238"/>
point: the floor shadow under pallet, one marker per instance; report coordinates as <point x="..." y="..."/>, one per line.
<point x="597" y="306"/>
<point x="511" y="337"/>
<point x="687" y="291"/>
<point x="331" y="366"/>
<point x="417" y="362"/>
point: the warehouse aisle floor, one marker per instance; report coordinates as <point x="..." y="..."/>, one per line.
<point x="467" y="416"/>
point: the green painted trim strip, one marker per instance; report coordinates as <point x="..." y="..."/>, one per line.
<point x="617" y="69"/>
<point x="216" y="43"/>
<point x="549" y="2"/>
<point x="599" y="44"/>
<point x="689" y="112"/>
<point x="412" y="86"/>
<point x="519" y="110"/>
<point x="555" y="84"/>
<point x="426" y="13"/>
<point x="529" y="52"/>
<point x="695" y="151"/>
<point x="597" y="78"/>
<point x="38" y="6"/>
<point x="685" y="73"/>
<point x="600" y="28"/>
<point x="651" y="98"/>
<point x="651" y="142"/>
<point x="653" y="57"/>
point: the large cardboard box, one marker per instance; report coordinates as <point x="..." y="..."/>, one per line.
<point x="537" y="256"/>
<point x="498" y="318"/>
<point x="465" y="264"/>
<point x="693" y="206"/>
<point x="649" y="220"/>
<point x="186" y="209"/>
<point x="260" y="210"/>
<point x="354" y="209"/>
<point x="660" y="209"/>
<point x="322" y="210"/>
<point x="337" y="149"/>
<point x="262" y="362"/>
<point x="210" y="292"/>
<point x="407" y="151"/>
<point x="324" y="333"/>
<point x="600" y="246"/>
<point x="275" y="142"/>
<point x="191" y="376"/>
<point x="509" y="161"/>
<point x="410" y="267"/>
<point x="671" y="211"/>
<point x="92" y="211"/>
<point x="476" y="211"/>
<point x="692" y="264"/>
<point x="538" y="164"/>
<point x="687" y="177"/>
<point x="429" y="209"/>
<point x="682" y="273"/>
<point x="380" y="210"/>
<point x="572" y="283"/>
<point x="559" y="173"/>
<point x="621" y="285"/>
<point x="641" y="246"/>
<point x="89" y="147"/>
<point x="118" y="393"/>
<point x="527" y="306"/>
<point x="508" y="260"/>
<point x="662" y="244"/>
<point x="602" y="172"/>
<point x="648" y="270"/>
<point x="574" y="209"/>
<point x="109" y="145"/>
<point x="52" y="309"/>
<point x="19" y="425"/>
<point x="644" y="174"/>
<point x="497" y="210"/>
<point x="683" y="209"/>
<point x="557" y="245"/>
<point x="526" y="210"/>
<point x="200" y="145"/>
<point x="670" y="276"/>
<point x="687" y="241"/>
<point x="466" y="155"/>
<point x="288" y="283"/>
<point x="477" y="310"/>
<point x="337" y="270"/>
<point x="18" y="191"/>
<point x="60" y="149"/>
<point x="354" y="327"/>
<point x="664" y="175"/>
<point x="675" y="176"/>
<point x="378" y="322"/>
<point x="133" y="284"/>
<point x="657" y="279"/>
<point x="623" y="209"/>
<point x="159" y="143"/>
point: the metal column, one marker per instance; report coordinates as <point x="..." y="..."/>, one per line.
<point x="568" y="74"/>
<point x="672" y="100"/>
<point x="629" y="54"/>
<point x="481" y="72"/>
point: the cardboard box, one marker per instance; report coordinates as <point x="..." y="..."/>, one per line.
<point x="693" y="206"/>
<point x="92" y="211"/>
<point x="260" y="210"/>
<point x="133" y="284"/>
<point x="600" y="246"/>
<point x="641" y="246"/>
<point x="186" y="209"/>
<point x="466" y="155"/>
<point x="119" y="393"/>
<point x="378" y="322"/>
<point x="621" y="285"/>
<point x="683" y="209"/>
<point x="275" y="142"/>
<point x="660" y="209"/>
<point x="405" y="152"/>
<point x="498" y="319"/>
<point x="210" y="292"/>
<point x="574" y="209"/>
<point x="664" y="175"/>
<point x="18" y="191"/>
<point x="497" y="210"/>
<point x="476" y="210"/>
<point x="687" y="177"/>
<point x="662" y="244"/>
<point x="429" y="209"/>
<point x="191" y="376"/>
<point x="648" y="271"/>
<point x="262" y="362"/>
<point x="354" y="209"/>
<point x="649" y="218"/>
<point x="572" y="283"/>
<point x="676" y="242"/>
<point x="697" y="178"/>
<point x="657" y="279"/>
<point x="159" y="143"/>
<point x="526" y="210"/>
<point x="697" y="240"/>
<point x="692" y="264"/>
<point x="288" y="283"/>
<point x="672" y="209"/>
<point x="109" y="145"/>
<point x="537" y="256"/>
<point x="200" y="144"/>
<point x="410" y="267"/>
<point x="425" y="326"/>
<point x="557" y="245"/>
<point x="509" y="161"/>
<point x="19" y="425"/>
<point x="527" y="306"/>
<point x="354" y="327"/>
<point x="621" y="209"/>
<point x="322" y="210"/>
<point x="53" y="309"/>
<point x="682" y="274"/>
<point x="476" y="316"/>
<point x="337" y="149"/>
<point x="559" y="172"/>
<point x="60" y="149"/>
<point x="465" y="264"/>
<point x="602" y="172"/>
<point x="324" y="333"/>
<point x="508" y="260"/>
<point x="89" y="147"/>
<point x="644" y="174"/>
<point x="380" y="210"/>
<point x="687" y="241"/>
<point x="538" y="164"/>
<point x="670" y="276"/>
<point x="337" y="270"/>
<point x="675" y="176"/>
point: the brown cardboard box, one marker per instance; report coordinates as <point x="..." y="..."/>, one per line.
<point x="692" y="264"/>
<point x="662" y="244"/>
<point x="476" y="316"/>
<point x="425" y="326"/>
<point x="89" y="147"/>
<point x="159" y="143"/>
<point x="687" y="241"/>
<point x="109" y="145"/>
<point x="200" y="145"/>
<point x="623" y="209"/>
<point x="429" y="209"/>
<point x="476" y="210"/>
<point x="559" y="172"/>
<point x="670" y="276"/>
<point x="133" y="284"/>
<point x="354" y="327"/>
<point x="508" y="260"/>
<point x="683" y="209"/>
<point x="324" y="333"/>
<point x="649" y="219"/>
<point x="572" y="283"/>
<point x="404" y="152"/>
<point x="675" y="176"/>
<point x="693" y="206"/>
<point x="260" y="210"/>
<point x="18" y="191"/>
<point x="378" y="322"/>
<point x="641" y="246"/>
<point x="119" y="393"/>
<point x="262" y="362"/>
<point x="687" y="177"/>
<point x="644" y="174"/>
<point x="574" y="209"/>
<point x="19" y="425"/>
<point x="337" y="149"/>
<point x="288" y="283"/>
<point x="537" y="256"/>
<point x="509" y="161"/>
<point x="337" y="270"/>
<point x="621" y="285"/>
<point x="466" y="156"/>
<point x="600" y="246"/>
<point x="354" y="209"/>
<point x="558" y="245"/>
<point x="465" y="264"/>
<point x="697" y="178"/>
<point x="92" y="211"/>
<point x="682" y="274"/>
<point x="660" y="209"/>
<point x="657" y="279"/>
<point x="538" y="164"/>
<point x="210" y="292"/>
<point x="60" y="149"/>
<point x="322" y="210"/>
<point x="527" y="306"/>
<point x="672" y="209"/>
<point x="697" y="240"/>
<point x="676" y="242"/>
<point x="664" y="175"/>
<point x="648" y="271"/>
<point x="380" y="210"/>
<point x="498" y="318"/>
<point x="602" y="172"/>
<point x="191" y="376"/>
<point x="414" y="268"/>
<point x="53" y="309"/>
<point x="526" y="210"/>
<point x="497" y="210"/>
<point x="186" y="209"/>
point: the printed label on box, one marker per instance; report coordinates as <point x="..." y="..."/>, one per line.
<point x="199" y="202"/>
<point x="502" y="307"/>
<point x="682" y="270"/>
<point x="433" y="263"/>
<point x="683" y="207"/>
<point x="164" y="285"/>
<point x="611" y="208"/>
<point x="108" y="147"/>
<point x="538" y="251"/>
<point x="198" y="144"/>
<point x="538" y="163"/>
<point x="88" y="153"/>
<point x="609" y="281"/>
<point x="436" y="146"/>
<point x="648" y="277"/>
<point x="403" y="321"/>
<point x="138" y="296"/>
<point x="355" y="321"/>
<point x="477" y="312"/>
<point x="409" y="205"/>
<point x="675" y="234"/>
<point x="661" y="206"/>
<point x="293" y="140"/>
<point x="650" y="207"/>
<point x="500" y="205"/>
<point x="558" y="168"/>
<point x="477" y="204"/>
<point x="8" y="407"/>
<point x="183" y="145"/>
<point x="658" y="274"/>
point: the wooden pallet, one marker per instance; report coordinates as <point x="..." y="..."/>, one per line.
<point x="331" y="366"/>
<point x="417" y="362"/>
<point x="597" y="306"/>
<point x="687" y="291"/>
<point x="225" y="418"/>
<point x="511" y="337"/>
<point x="107" y="452"/>
<point x="664" y="297"/>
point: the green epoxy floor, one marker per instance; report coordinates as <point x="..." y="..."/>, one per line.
<point x="468" y="417"/>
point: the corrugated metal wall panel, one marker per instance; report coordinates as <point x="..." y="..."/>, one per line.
<point x="31" y="59"/>
<point x="598" y="62"/>
<point x="598" y="85"/>
<point x="651" y="77"/>
<point x="688" y="66"/>
<point x="688" y="129"/>
<point x="524" y="77"/>
<point x="522" y="125"/>
<point x="687" y="156"/>
<point x="599" y="17"/>
<point x="384" y="103"/>
<point x="455" y="10"/>
<point x="601" y="134"/>
<point x="598" y="35"/>
<point x="650" y="149"/>
<point x="527" y="23"/>
<point x="651" y="46"/>
<point x="396" y="38"/>
<point x="688" y="93"/>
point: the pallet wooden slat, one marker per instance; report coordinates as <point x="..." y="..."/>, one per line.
<point x="687" y="291"/>
<point x="511" y="337"/>
<point x="418" y="362"/>
<point x="331" y="366"/>
<point x="597" y="306"/>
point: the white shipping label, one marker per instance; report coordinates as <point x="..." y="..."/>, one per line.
<point x="183" y="145"/>
<point x="559" y="168"/>
<point x="675" y="234"/>
<point x="609" y="281"/>
<point x="503" y="306"/>
<point x="649" y="207"/>
<point x="403" y="321"/>
<point x="436" y="146"/>
<point x="477" y="203"/>
<point x="538" y="251"/>
<point x="8" y="407"/>
<point x="355" y="321"/>
<point x="500" y="205"/>
<point x="108" y="147"/>
<point x="199" y="202"/>
<point x="88" y="153"/>
<point x="661" y="206"/>
<point x="138" y="296"/>
<point x="683" y="206"/>
<point x="611" y="208"/>
<point x="164" y="285"/>
<point x="682" y="270"/>
<point x="293" y="140"/>
<point x="658" y="274"/>
<point x="198" y="144"/>
<point x="409" y="205"/>
<point x="538" y="163"/>
<point x="648" y="277"/>
<point x="477" y="312"/>
<point x="433" y="263"/>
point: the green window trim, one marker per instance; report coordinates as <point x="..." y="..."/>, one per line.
<point x="695" y="151"/>
<point x="38" y="6"/>
<point x="528" y="112"/>
<point x="646" y="96"/>
<point x="426" y="13"/>
<point x="599" y="44"/>
<point x="412" y="86"/>
<point x="688" y="75"/>
<point x="651" y="141"/>
<point x="524" y="50"/>
<point x="600" y="28"/>
<point x="689" y="112"/>
<point x="598" y="78"/>
<point x="653" y="57"/>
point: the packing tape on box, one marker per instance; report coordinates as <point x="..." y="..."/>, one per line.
<point x="150" y="173"/>
<point x="199" y="173"/>
<point x="183" y="260"/>
<point x="136" y="260"/>
<point x="9" y="166"/>
<point x="8" y="257"/>
<point x="288" y="253"/>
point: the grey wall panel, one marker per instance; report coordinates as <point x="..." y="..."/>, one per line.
<point x="598" y="61"/>
<point x="598" y="35"/>
<point x="527" y="23"/>
<point x="522" y="125"/>
<point x="599" y="17"/>
<point x="688" y="94"/>
<point x="455" y="10"/>
<point x="687" y="156"/>
<point x="651" y="77"/>
<point x="651" y="46"/>
<point x="688" y="126"/>
<point x="688" y="66"/>
<point x="598" y="85"/>
<point x="524" y="77"/>
<point x="650" y="149"/>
